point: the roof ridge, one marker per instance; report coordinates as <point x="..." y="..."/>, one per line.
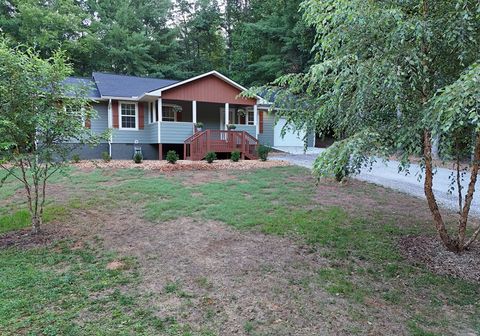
<point x="131" y="76"/>
<point x="80" y="77"/>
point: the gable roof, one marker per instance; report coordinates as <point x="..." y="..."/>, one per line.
<point x="158" y="92"/>
<point x="110" y="85"/>
<point x="87" y="82"/>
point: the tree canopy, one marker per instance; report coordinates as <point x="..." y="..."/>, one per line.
<point x="42" y="119"/>
<point x="251" y="41"/>
<point x="391" y="77"/>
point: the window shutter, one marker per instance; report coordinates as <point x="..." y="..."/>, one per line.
<point x="115" y="114"/>
<point x="179" y="116"/>
<point x="260" y="122"/>
<point x="141" y="116"/>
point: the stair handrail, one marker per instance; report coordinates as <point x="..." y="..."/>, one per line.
<point x="194" y="136"/>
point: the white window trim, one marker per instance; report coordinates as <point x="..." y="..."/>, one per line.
<point x="120" y="116"/>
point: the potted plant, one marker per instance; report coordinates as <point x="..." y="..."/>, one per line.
<point x="199" y="126"/>
<point x="231" y="127"/>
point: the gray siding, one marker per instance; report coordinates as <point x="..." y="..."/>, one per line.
<point x="266" y="138"/>
<point x="87" y="153"/>
<point x="175" y="132"/>
<point x="151" y="131"/>
<point x="100" y="123"/>
<point x="145" y="135"/>
<point x="247" y="128"/>
<point x="125" y="151"/>
<point x="119" y="151"/>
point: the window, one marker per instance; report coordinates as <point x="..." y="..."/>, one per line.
<point x="128" y="116"/>
<point x="250" y="117"/>
<point x="168" y="114"/>
<point x="75" y="113"/>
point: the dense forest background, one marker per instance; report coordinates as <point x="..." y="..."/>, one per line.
<point x="252" y="41"/>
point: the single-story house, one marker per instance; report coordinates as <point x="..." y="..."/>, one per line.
<point x="156" y="115"/>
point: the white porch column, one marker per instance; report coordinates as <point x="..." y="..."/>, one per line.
<point x="194" y="111"/>
<point x="227" y="114"/>
<point x="159" y="117"/>
<point x="255" y="120"/>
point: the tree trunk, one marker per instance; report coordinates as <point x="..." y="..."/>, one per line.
<point x="431" y="200"/>
<point x="36" y="224"/>
<point x="462" y="223"/>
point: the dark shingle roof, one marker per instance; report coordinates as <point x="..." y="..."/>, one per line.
<point x="71" y="81"/>
<point x="127" y="86"/>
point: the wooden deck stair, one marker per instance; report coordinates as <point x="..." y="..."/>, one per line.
<point x="198" y="145"/>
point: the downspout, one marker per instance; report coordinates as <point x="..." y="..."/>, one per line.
<point x="110" y="125"/>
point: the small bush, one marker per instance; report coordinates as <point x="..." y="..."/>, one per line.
<point x="211" y="156"/>
<point x="76" y="158"/>
<point x="106" y="157"/>
<point x="263" y="152"/>
<point x="172" y="156"/>
<point x="138" y="158"/>
<point x="231" y="126"/>
<point x="235" y="156"/>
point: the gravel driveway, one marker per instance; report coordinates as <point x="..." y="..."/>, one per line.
<point x="386" y="174"/>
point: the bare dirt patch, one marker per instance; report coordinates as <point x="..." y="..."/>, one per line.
<point x="115" y="265"/>
<point x="181" y="165"/>
<point x="193" y="178"/>
<point x="353" y="195"/>
<point x="430" y="252"/>
<point x="55" y="192"/>
<point x="211" y="276"/>
<point x="363" y="199"/>
<point x="24" y="239"/>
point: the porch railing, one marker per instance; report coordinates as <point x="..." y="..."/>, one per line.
<point x="198" y="145"/>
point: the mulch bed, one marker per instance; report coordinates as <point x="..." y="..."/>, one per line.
<point x="430" y="252"/>
<point x="24" y="239"/>
<point x="181" y="165"/>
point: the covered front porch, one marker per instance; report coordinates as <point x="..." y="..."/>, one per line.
<point x="178" y="119"/>
<point x="211" y="101"/>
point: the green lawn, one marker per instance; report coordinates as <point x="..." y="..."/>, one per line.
<point x="66" y="290"/>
